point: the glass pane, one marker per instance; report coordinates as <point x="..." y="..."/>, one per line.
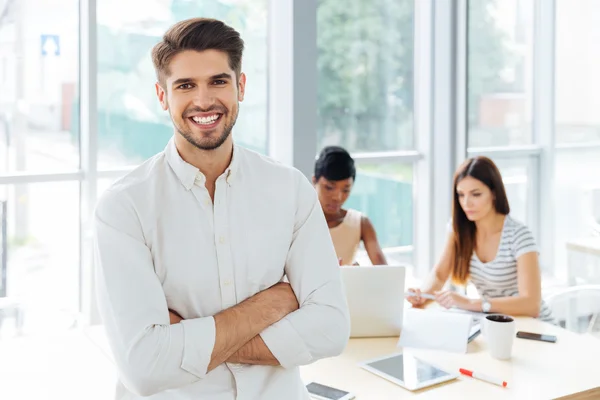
<point x="576" y="200"/>
<point x="577" y="66"/>
<point x="500" y="60"/>
<point x="131" y="124"/>
<point x="384" y="193"/>
<point x="42" y="249"/>
<point x="577" y="180"/>
<point x="39" y="77"/>
<point x="516" y="180"/>
<point x="365" y="74"/>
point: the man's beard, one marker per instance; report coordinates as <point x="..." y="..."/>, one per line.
<point x="205" y="145"/>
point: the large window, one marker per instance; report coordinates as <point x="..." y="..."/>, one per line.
<point x="384" y="193"/>
<point x="39" y="222"/>
<point x="577" y="66"/>
<point x="515" y="175"/>
<point x="39" y="73"/>
<point x="44" y="207"/>
<point x="509" y="92"/>
<point x="42" y="253"/>
<point x="131" y="124"/>
<point x="365" y="74"/>
<point x="577" y="124"/>
<point x="500" y="60"/>
<point x="500" y="99"/>
<point x="365" y="103"/>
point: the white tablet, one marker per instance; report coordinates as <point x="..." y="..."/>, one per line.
<point x="407" y="371"/>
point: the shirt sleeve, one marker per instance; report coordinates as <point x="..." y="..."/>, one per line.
<point x="321" y="326"/>
<point x="151" y="355"/>
<point x="523" y="242"/>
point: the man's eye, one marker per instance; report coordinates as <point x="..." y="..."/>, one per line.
<point x="185" y="86"/>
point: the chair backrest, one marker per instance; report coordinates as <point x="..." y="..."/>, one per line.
<point x="577" y="308"/>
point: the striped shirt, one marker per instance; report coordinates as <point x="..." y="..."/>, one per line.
<point x="498" y="278"/>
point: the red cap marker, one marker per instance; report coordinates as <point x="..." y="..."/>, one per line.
<point x="482" y="377"/>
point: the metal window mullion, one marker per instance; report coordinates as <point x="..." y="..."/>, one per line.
<point x="88" y="87"/>
<point x="444" y="125"/>
<point x="292" y="80"/>
<point x="423" y="199"/>
<point x="404" y="157"/>
<point x="506" y="151"/>
<point x="461" y="73"/>
<point x="20" y="178"/>
<point x="543" y="124"/>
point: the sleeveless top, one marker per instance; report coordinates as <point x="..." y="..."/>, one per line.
<point x="346" y="236"/>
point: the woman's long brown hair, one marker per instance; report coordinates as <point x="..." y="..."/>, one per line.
<point x="483" y="169"/>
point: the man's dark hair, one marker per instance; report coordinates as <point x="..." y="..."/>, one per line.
<point x="197" y="34"/>
<point x="334" y="164"/>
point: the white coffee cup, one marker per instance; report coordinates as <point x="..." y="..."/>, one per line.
<point x="499" y="333"/>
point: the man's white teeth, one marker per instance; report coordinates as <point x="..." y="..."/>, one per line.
<point x="206" y="120"/>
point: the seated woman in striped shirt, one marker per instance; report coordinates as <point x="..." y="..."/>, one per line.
<point x="486" y="246"/>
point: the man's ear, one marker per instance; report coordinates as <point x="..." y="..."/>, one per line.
<point x="314" y="180"/>
<point x="241" y="87"/>
<point x="162" y="96"/>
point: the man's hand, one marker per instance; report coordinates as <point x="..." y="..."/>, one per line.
<point x="174" y="318"/>
<point x="281" y="299"/>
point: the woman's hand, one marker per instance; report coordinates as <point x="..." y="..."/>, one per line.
<point x="449" y="299"/>
<point x="416" y="300"/>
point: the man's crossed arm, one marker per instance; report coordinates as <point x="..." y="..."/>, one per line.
<point x="236" y="324"/>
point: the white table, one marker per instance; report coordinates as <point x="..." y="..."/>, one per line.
<point x="537" y="370"/>
<point x="70" y="366"/>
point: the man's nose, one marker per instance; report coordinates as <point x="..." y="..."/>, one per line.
<point x="204" y="98"/>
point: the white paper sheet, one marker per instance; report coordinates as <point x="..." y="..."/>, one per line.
<point x="436" y="330"/>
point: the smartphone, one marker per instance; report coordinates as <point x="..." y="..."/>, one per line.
<point x="536" y="336"/>
<point x="322" y="392"/>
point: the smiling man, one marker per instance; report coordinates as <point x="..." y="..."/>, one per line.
<point x="192" y="247"/>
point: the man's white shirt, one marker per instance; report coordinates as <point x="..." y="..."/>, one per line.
<point x="162" y="244"/>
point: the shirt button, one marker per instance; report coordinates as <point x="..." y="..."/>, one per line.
<point x="207" y="202"/>
<point x="227" y="283"/>
<point x="222" y="239"/>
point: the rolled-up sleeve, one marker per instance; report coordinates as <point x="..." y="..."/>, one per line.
<point x="320" y="328"/>
<point x="151" y="355"/>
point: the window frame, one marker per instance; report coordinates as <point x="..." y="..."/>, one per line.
<point x="440" y="121"/>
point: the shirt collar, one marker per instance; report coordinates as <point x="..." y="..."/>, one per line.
<point x="188" y="174"/>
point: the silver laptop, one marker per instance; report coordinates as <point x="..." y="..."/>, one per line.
<point x="375" y="298"/>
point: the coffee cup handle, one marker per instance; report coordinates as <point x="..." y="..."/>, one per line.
<point x="482" y="326"/>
